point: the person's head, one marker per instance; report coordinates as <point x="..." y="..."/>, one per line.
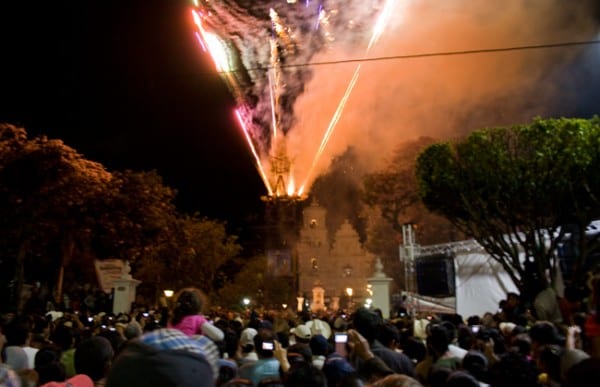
<point x="64" y="336"/>
<point x="367" y="323"/>
<point x="396" y="380"/>
<point x="438" y="376"/>
<point x="512" y="300"/>
<point x="132" y="330"/>
<point x="437" y="340"/>
<point x="93" y="357"/>
<point x="544" y="333"/>
<point x="476" y="364"/>
<point x="450" y="330"/>
<point x="115" y="338"/>
<point x="247" y="340"/>
<point x="513" y="369"/>
<point x="305" y="375"/>
<point x="521" y="343"/>
<point x="465" y="337"/>
<point x="338" y="370"/>
<point x="48" y="365"/>
<point x="568" y="360"/>
<point x="264" y="343"/>
<point x="548" y="360"/>
<point x="17" y="331"/>
<point x="319" y="345"/>
<point x="389" y="335"/>
<point x="163" y="357"/>
<point x="302" y="333"/>
<point x="582" y="373"/>
<point x="299" y="353"/>
<point x="188" y="301"/>
<point x="461" y="379"/>
<point x="415" y="349"/>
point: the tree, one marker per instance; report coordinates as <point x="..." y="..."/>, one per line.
<point x="513" y="189"/>
<point x="392" y="193"/>
<point x="192" y="256"/>
<point x="59" y="210"/>
<point x="134" y="217"/>
<point x="254" y="282"/>
<point x="46" y="189"/>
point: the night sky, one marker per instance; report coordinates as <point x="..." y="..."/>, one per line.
<point x="126" y="84"/>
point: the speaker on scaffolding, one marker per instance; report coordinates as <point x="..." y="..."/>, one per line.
<point x="435" y="275"/>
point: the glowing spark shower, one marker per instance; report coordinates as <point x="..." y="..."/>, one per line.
<point x="263" y="175"/>
<point x="291" y="42"/>
<point x="292" y="111"/>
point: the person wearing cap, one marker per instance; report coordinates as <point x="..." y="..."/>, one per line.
<point x="320" y="349"/>
<point x="162" y="358"/>
<point x="301" y="333"/>
<point x="319" y="327"/>
<point x="247" y="353"/>
<point x="75" y="381"/>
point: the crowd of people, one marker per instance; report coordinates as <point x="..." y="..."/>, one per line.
<point x="187" y="345"/>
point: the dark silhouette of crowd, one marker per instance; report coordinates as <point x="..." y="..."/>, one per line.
<point x="190" y="344"/>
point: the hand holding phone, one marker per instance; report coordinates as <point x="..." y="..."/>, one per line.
<point x="268" y="345"/>
<point x="341" y="339"/>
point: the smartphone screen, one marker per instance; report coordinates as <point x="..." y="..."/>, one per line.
<point x="340" y="343"/>
<point x="267" y="345"/>
<point x="341" y="337"/>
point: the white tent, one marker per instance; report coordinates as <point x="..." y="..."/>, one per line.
<point x="480" y="282"/>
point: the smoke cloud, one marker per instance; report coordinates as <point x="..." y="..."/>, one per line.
<point x="401" y="98"/>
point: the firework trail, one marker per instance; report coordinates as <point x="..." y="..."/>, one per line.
<point x="262" y="50"/>
<point x="377" y="31"/>
<point x="283" y="61"/>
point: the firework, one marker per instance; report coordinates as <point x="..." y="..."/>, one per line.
<point x="293" y="67"/>
<point x="272" y="70"/>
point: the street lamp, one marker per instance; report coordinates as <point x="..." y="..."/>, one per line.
<point x="246" y="301"/>
<point x="349" y="292"/>
<point x="168" y="294"/>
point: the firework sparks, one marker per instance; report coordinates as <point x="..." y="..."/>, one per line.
<point x="382" y="22"/>
<point x="331" y="127"/>
<point x="283" y="45"/>
<point x="259" y="166"/>
<point x="377" y="31"/>
<point x="264" y="50"/>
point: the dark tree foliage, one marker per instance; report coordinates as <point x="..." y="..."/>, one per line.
<point x="519" y="191"/>
<point x="61" y="211"/>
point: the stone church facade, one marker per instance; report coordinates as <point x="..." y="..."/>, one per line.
<point x="331" y="275"/>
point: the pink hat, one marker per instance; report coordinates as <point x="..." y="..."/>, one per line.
<point x="80" y="380"/>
